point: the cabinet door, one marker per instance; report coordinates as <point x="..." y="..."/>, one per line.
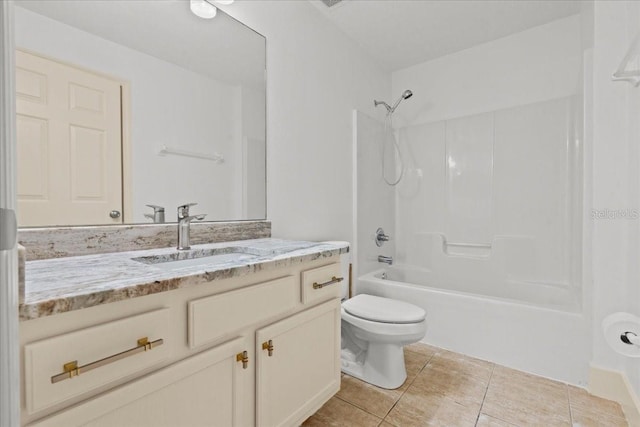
<point x="303" y="370"/>
<point x="204" y="390"/>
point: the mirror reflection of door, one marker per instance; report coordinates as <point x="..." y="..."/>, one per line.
<point x="69" y="134"/>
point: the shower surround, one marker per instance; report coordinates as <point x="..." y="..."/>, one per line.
<point x="487" y="222"/>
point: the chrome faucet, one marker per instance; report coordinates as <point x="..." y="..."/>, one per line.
<point x="158" y="214"/>
<point x="184" y="225"/>
<point x="385" y="259"/>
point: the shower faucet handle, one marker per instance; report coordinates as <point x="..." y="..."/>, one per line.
<point x="381" y="237"/>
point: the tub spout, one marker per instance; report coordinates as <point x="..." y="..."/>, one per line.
<point x="385" y="259"/>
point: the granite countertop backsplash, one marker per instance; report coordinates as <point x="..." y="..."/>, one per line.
<point x="64" y="284"/>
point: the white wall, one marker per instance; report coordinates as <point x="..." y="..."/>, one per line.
<point x="616" y="180"/>
<point x="316" y="76"/>
<point x="169" y="106"/>
<point x="535" y="65"/>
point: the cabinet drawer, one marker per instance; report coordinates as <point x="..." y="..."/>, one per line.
<point x="103" y="343"/>
<point x="327" y="281"/>
<point x="205" y="389"/>
<point x="211" y="318"/>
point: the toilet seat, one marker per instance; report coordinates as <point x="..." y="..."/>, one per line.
<point x="383" y="310"/>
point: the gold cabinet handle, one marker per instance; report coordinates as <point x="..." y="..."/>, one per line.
<point x="71" y="369"/>
<point x="244" y="358"/>
<point x="333" y="280"/>
<point x="268" y="345"/>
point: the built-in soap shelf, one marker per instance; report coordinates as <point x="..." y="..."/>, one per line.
<point x="482" y="250"/>
<point x="505" y="257"/>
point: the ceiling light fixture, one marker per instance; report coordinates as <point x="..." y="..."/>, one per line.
<point x="203" y="9"/>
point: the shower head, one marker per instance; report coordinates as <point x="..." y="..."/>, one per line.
<point x="405" y="95"/>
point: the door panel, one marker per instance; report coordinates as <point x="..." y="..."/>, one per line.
<point x="69" y="144"/>
<point x="33" y="150"/>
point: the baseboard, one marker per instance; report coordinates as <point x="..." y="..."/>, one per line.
<point x="615" y="385"/>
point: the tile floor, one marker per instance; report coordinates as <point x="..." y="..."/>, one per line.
<point x="449" y="389"/>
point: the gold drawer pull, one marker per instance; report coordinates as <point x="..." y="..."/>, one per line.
<point x="333" y="280"/>
<point x="244" y="358"/>
<point x="71" y="369"/>
<point x="268" y="345"/>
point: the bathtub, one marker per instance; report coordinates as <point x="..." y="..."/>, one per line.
<point x="530" y="327"/>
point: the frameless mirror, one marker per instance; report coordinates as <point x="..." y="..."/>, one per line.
<point x="126" y="105"/>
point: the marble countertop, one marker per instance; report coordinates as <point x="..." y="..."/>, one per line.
<point x="64" y="284"/>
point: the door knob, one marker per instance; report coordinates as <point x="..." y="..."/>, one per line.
<point x="114" y="214"/>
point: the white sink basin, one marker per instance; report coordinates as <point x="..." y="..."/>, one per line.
<point x="212" y="258"/>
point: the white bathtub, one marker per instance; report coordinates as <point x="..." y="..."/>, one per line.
<point x="535" y="328"/>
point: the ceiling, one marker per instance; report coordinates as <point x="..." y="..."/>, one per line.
<point x="221" y="48"/>
<point x="402" y="33"/>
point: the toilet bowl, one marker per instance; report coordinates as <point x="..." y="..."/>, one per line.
<point x="374" y="331"/>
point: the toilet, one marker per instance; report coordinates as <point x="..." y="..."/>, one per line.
<point x="374" y="332"/>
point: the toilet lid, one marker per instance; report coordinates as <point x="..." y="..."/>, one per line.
<point x="384" y="310"/>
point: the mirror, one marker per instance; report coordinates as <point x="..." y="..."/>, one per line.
<point x="124" y="104"/>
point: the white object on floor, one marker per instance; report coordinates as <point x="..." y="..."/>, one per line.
<point x="374" y="332"/>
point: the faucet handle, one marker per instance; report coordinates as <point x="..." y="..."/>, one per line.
<point x="158" y="214"/>
<point x="183" y="210"/>
<point x="156" y="208"/>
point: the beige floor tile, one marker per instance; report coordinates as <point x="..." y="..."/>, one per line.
<point x="414" y="363"/>
<point x="580" y="398"/>
<point x="461" y="365"/>
<point x="485" y="420"/>
<point x="338" y="413"/>
<point x="587" y="418"/>
<point x="524" y="399"/>
<point x="521" y="384"/>
<point x="375" y="400"/>
<point x="463" y="389"/>
<point x="446" y="389"/>
<point x="513" y="376"/>
<point x="417" y="408"/>
<point x="424" y="349"/>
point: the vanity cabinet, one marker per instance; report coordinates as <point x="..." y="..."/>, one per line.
<point x="298" y="365"/>
<point x="262" y="349"/>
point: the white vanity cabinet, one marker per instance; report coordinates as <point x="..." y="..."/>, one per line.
<point x="298" y="365"/>
<point x="261" y="349"/>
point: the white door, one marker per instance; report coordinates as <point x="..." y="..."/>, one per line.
<point x="69" y="136"/>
